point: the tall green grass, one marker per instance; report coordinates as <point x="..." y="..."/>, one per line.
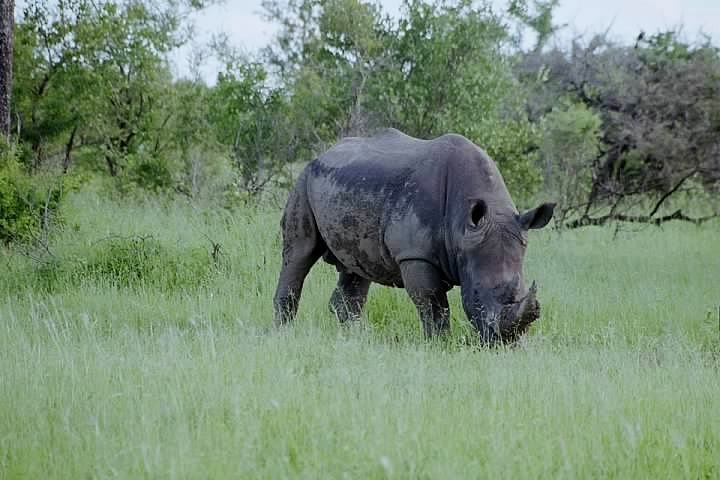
<point x="143" y="346"/>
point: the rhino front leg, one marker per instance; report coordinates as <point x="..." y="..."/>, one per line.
<point x="428" y="291"/>
<point x="349" y="296"/>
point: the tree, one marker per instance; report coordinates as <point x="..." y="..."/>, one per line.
<point x="327" y="52"/>
<point x="191" y="136"/>
<point x="94" y="75"/>
<point x="47" y="76"/>
<point x="571" y="141"/>
<point x="7" y="23"/>
<point x="251" y="119"/>
<point x="449" y="71"/>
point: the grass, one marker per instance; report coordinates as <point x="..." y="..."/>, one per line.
<point x="135" y="352"/>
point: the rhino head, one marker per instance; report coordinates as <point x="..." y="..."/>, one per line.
<point x="492" y="249"/>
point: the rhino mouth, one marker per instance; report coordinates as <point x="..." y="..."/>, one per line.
<point x="512" y="320"/>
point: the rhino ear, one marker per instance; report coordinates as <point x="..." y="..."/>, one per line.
<point x="477" y="211"/>
<point x="537" y="217"/>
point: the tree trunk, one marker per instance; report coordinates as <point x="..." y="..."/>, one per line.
<point x="7" y="24"/>
<point x="112" y="166"/>
<point x="68" y="150"/>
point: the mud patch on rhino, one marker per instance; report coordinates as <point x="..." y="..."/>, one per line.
<point x="349" y="221"/>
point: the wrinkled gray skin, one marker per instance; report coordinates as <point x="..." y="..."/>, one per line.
<point x="425" y="215"/>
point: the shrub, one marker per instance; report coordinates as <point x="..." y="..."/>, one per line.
<point x="134" y="262"/>
<point x="152" y="174"/>
<point x="571" y="142"/>
<point x="138" y="261"/>
<point x="513" y="144"/>
<point x="27" y="204"/>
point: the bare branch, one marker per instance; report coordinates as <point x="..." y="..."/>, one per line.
<point x="603" y="220"/>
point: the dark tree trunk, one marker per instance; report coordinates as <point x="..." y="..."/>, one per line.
<point x="7" y="24"/>
<point x="112" y="166"/>
<point x="68" y="150"/>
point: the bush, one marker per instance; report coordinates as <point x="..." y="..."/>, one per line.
<point x="571" y="142"/>
<point x="134" y="262"/>
<point x="513" y="146"/>
<point x="27" y="204"/>
<point x="138" y="261"/>
<point x="152" y="174"/>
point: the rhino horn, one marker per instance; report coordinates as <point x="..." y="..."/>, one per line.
<point x="516" y="318"/>
<point x="529" y="310"/>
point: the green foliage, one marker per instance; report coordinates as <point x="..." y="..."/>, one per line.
<point x="453" y="75"/>
<point x="27" y="204"/>
<point x="571" y="143"/>
<point x="448" y="72"/>
<point x="250" y="119"/>
<point x="327" y="54"/>
<point x="46" y="76"/>
<point x="150" y="173"/>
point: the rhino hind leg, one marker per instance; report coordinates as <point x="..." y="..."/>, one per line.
<point x="428" y="291"/>
<point x="302" y="247"/>
<point x="349" y="296"/>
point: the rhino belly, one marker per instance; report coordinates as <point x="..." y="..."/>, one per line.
<point x="360" y="256"/>
<point x="351" y="226"/>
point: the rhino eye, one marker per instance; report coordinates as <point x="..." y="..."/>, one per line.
<point x="477" y="212"/>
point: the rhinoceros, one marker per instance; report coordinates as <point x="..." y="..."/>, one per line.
<point x="425" y="215"/>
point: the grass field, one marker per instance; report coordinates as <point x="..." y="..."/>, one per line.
<point x="135" y="352"/>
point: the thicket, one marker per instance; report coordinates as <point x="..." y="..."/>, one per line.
<point x="28" y="204"/>
<point x="134" y="262"/>
<point x="610" y="131"/>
